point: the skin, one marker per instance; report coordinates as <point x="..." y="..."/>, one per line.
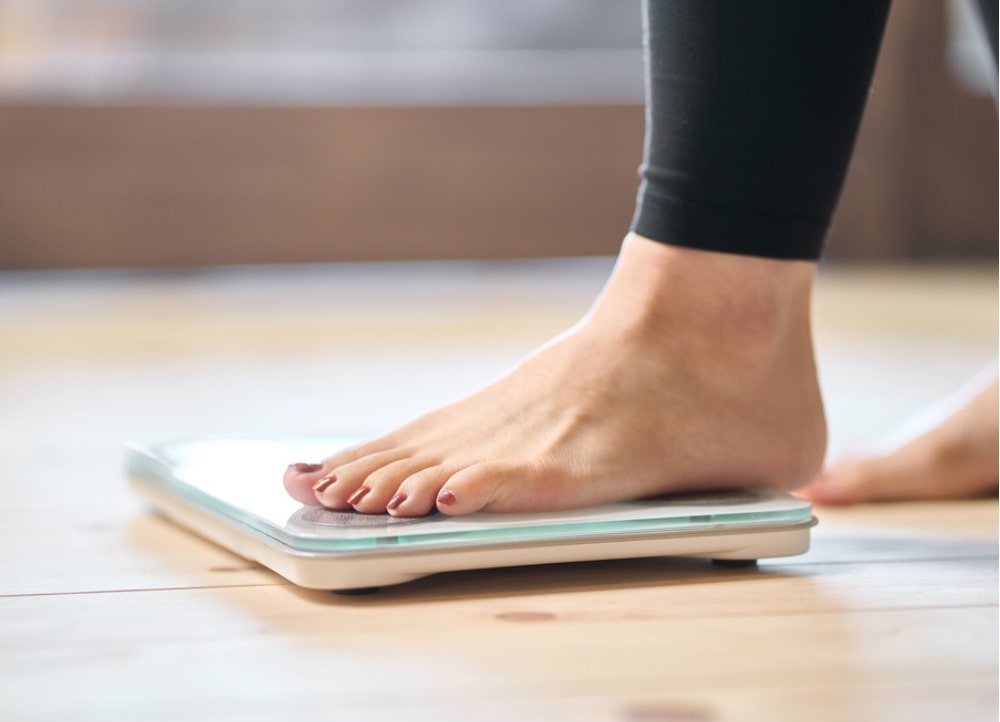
<point x="692" y="370"/>
<point x="955" y="457"/>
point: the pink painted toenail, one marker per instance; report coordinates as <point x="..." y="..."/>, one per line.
<point x="447" y="497"/>
<point x="324" y="483"/>
<point x="395" y="501"/>
<point x="358" y="495"/>
<point x="303" y="468"/>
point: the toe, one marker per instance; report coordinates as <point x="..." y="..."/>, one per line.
<point x="382" y="485"/>
<point x="338" y="489"/>
<point x="501" y="487"/>
<point x="538" y="485"/>
<point x="300" y="478"/>
<point x="417" y="495"/>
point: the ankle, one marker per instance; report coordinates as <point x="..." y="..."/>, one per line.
<point x="708" y="303"/>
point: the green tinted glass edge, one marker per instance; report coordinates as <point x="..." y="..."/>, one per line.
<point x="140" y="464"/>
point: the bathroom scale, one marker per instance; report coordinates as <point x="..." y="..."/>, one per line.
<point x="229" y="491"/>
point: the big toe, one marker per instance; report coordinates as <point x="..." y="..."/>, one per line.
<point x="503" y="487"/>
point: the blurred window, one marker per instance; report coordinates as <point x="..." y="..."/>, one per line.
<point x="326" y="52"/>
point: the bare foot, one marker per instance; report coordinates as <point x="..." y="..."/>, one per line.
<point x="956" y="457"/>
<point x="692" y="370"/>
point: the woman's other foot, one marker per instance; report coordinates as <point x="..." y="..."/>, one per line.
<point x="956" y="457"/>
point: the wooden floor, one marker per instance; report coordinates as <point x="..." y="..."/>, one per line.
<point x="110" y="613"/>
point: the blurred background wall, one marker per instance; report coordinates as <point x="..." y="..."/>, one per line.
<point x="191" y="132"/>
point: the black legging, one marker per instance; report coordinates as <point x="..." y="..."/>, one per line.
<point x="752" y="107"/>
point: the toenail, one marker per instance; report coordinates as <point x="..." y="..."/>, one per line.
<point x="446" y="497"/>
<point x="395" y="501"/>
<point x="358" y="495"/>
<point x="324" y="483"/>
<point x="304" y="468"/>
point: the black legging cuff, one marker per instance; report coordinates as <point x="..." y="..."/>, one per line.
<point x="674" y="221"/>
<point x="752" y="110"/>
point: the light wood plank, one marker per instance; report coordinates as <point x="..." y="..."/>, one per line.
<point x="236" y="637"/>
<point x="108" y="613"/>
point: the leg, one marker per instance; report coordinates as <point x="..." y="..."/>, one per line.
<point x="694" y="368"/>
<point x="950" y="451"/>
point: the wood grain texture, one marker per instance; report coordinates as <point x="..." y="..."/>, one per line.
<point x="108" y="612"/>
